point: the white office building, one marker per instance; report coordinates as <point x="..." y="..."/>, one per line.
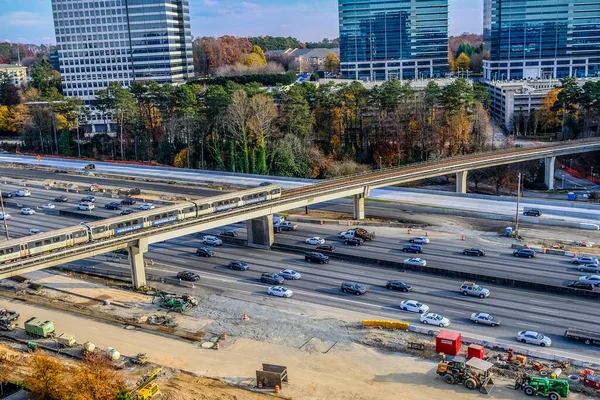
<point x="120" y="41"/>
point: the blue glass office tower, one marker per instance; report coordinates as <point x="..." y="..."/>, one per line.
<point x="542" y="38"/>
<point x="385" y="39"/>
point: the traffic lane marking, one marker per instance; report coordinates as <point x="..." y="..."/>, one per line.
<point x="522" y="324"/>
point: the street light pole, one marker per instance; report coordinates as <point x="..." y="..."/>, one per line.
<point x="518" y="201"/>
<point x="4" y="215"/>
<point x="380" y="164"/>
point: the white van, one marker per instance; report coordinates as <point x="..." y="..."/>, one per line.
<point x="86" y="206"/>
<point x="23" y="193"/>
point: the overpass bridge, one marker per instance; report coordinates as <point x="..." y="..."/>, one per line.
<point x="259" y="216"/>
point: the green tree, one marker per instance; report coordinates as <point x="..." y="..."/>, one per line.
<point x="295" y="115"/>
<point x="9" y="93"/>
<point x="568" y="101"/>
<point x="44" y="77"/>
<point x="238" y="114"/>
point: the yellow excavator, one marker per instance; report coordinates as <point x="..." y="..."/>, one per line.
<point x="146" y="388"/>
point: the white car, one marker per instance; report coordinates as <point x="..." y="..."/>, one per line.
<point x="34" y="231"/>
<point x="23" y="193"/>
<point x="534" y="338"/>
<point x="86" y="206"/>
<point x="4" y="216"/>
<point x="420" y="240"/>
<point x="49" y="206"/>
<point x="212" y="240"/>
<point x="27" y="211"/>
<point x="485" y="319"/>
<point x="290" y="274"/>
<point x="415" y="261"/>
<point x="279" y="291"/>
<point x="315" y="241"/>
<point x="593" y="279"/>
<point x="414" y="306"/>
<point x="434" y="319"/>
<point x="147" y="206"/>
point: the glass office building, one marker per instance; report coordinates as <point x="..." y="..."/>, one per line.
<point x="542" y="39"/>
<point x="386" y="39"/>
<point x="121" y="41"/>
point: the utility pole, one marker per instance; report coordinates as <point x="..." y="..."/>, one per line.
<point x="122" y="154"/>
<point x="518" y="201"/>
<point x="4" y="215"/>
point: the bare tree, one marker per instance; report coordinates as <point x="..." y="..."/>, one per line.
<point x="236" y="121"/>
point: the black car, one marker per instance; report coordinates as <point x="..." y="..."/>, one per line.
<point x="238" y="265"/>
<point x="533" y="213"/>
<point x="316" y="257"/>
<point x="127" y="212"/>
<point x="527" y="253"/>
<point x="265" y="184"/>
<point x="412" y="248"/>
<point x="7" y="194"/>
<point x="474" y="252"/>
<point x="353" y="241"/>
<point x="229" y="232"/>
<point x="128" y="201"/>
<point x="88" y="199"/>
<point x="398" y="285"/>
<point x="353" y="287"/>
<point x="61" y="199"/>
<point x="204" y="252"/>
<point x="326" y="246"/>
<point x="113" y="206"/>
<point x="271" y="278"/>
<point x="581" y="285"/>
<point x="188" y="276"/>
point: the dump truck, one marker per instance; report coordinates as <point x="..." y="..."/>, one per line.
<point x="554" y="389"/>
<point x="585" y="336"/>
<point x="39" y="328"/>
<point x="473" y="374"/>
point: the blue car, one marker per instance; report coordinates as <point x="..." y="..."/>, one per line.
<point x="412" y="248"/>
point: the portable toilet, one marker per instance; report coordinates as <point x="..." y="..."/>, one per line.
<point x="571" y="196"/>
<point x="448" y="342"/>
<point x="508" y="231"/>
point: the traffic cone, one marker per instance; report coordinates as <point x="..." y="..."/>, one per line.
<point x="224" y="336"/>
<point x="409" y="231"/>
<point x="245" y="317"/>
<point x="217" y="346"/>
<point x="463" y="238"/>
<point x="426" y="233"/>
<point x="260" y="384"/>
<point x="277" y="389"/>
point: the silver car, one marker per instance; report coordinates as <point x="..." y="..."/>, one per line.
<point x="589" y="268"/>
<point x="585" y="260"/>
<point x="485" y="319"/>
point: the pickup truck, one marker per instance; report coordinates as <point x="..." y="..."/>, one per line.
<point x="585" y="336"/>
<point x="287" y="226"/>
<point x="358" y="233"/>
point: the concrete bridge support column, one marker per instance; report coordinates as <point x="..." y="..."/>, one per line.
<point x="260" y="232"/>
<point x="136" y="261"/>
<point x="461" y="182"/>
<point x="359" y="206"/>
<point x="549" y="175"/>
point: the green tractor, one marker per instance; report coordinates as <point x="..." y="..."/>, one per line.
<point x="554" y="389"/>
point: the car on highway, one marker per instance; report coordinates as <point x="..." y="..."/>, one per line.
<point x="326" y="247"/>
<point x="238" y="265"/>
<point x="485" y="319"/>
<point x="204" y="252"/>
<point x="34" y="231"/>
<point x="88" y="199"/>
<point x="533" y="213"/>
<point x="474" y="252"/>
<point x="61" y="199"/>
<point x="414" y="306"/>
<point x="419" y="240"/>
<point x="581" y="285"/>
<point x="4" y="216"/>
<point x="583" y="260"/>
<point x="27" y="211"/>
<point x="279" y="291"/>
<point x="527" y="253"/>
<point x="287" y="226"/>
<point x="265" y="183"/>
<point x="269" y="277"/>
<point x="23" y="193"/>
<point x="594" y="268"/>
<point x="290" y="274"/>
<point x="7" y="195"/>
<point x="532" y="337"/>
<point x="48" y="206"/>
<point x="316" y="257"/>
<point x="593" y="279"/>
<point x="472" y="289"/>
<point x="113" y="206"/>
<point x="147" y="206"/>
<point x="412" y="248"/>
<point x="434" y="319"/>
<point x="229" y="232"/>
<point x="353" y="241"/>
<point x="86" y="206"/>
<point x="212" y="240"/>
<point x="126" y="212"/>
<point x="315" y="240"/>
<point x="415" y="261"/>
<point x="128" y="201"/>
<point x="188" y="276"/>
<point x="353" y="287"/>
<point x="398" y="285"/>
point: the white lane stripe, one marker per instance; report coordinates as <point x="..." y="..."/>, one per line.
<point x="539" y="301"/>
<point x="539" y="309"/>
<point x="542" y="318"/>
<point x="522" y="324"/>
<point x="455" y="312"/>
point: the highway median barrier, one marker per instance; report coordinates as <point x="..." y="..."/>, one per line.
<point x="386" y="324"/>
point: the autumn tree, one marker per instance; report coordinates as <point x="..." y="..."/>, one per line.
<point x="332" y="63"/>
<point x="47" y="378"/>
<point x="96" y="379"/>
<point x="547" y="115"/>
<point x="462" y="62"/>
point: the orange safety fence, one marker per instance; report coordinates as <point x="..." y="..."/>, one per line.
<point x="580" y="174"/>
<point x="386" y="324"/>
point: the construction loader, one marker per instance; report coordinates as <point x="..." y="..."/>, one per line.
<point x="146" y="388"/>
<point x="554" y="389"/>
<point x="473" y="374"/>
